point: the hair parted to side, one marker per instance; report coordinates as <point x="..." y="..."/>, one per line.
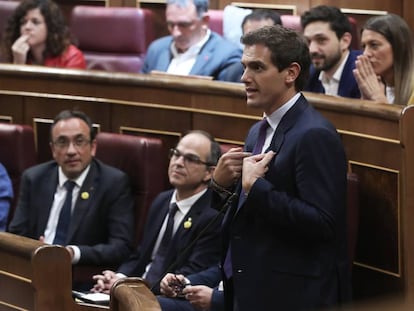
<point x="58" y="35"/>
<point x="398" y="34"/>
<point x="286" y="46"/>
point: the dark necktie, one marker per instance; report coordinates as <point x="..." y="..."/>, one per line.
<point x="157" y="266"/>
<point x="65" y="214"/>
<point x="257" y="149"/>
<point x="261" y="137"/>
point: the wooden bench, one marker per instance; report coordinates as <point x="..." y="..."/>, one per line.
<point x="36" y="276"/>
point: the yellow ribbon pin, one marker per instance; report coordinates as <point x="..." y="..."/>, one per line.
<point x="85" y="195"/>
<point x="188" y="223"/>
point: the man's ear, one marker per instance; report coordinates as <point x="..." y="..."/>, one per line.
<point x="345" y="41"/>
<point x="292" y="73"/>
<point x="206" y="19"/>
<point x="209" y="174"/>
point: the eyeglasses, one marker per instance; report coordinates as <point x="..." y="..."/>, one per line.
<point x="64" y="143"/>
<point x="181" y="25"/>
<point x="188" y="157"/>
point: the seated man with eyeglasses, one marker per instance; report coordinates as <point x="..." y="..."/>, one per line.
<point x="76" y="200"/>
<point x="194" y="236"/>
<point x="191" y="48"/>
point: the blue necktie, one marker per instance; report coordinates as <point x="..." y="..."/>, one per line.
<point x="157" y="267"/>
<point x="65" y="214"/>
<point x="257" y="149"/>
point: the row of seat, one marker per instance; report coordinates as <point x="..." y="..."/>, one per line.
<point x="116" y="38"/>
<point x="141" y="158"/>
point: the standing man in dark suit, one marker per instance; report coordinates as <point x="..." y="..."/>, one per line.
<point x="284" y="237"/>
<point x="94" y="218"/>
<point x="191" y="48"/>
<point x="329" y="35"/>
<point x="195" y="242"/>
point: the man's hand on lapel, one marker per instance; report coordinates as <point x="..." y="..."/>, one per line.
<point x="255" y="167"/>
<point x="229" y="167"/>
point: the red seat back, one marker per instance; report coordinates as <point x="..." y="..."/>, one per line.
<point x="17" y="154"/>
<point x="112" y="38"/>
<point x="142" y="159"/>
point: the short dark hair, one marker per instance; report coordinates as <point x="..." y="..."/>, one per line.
<point x="262" y="14"/>
<point x="215" y="150"/>
<point x="287" y="46"/>
<point x="69" y="114"/>
<point x="338" y="21"/>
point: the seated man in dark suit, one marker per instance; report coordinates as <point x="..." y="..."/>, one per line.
<point x="76" y="200"/>
<point x="194" y="241"/>
<point x="328" y="32"/>
<point x="192" y="48"/>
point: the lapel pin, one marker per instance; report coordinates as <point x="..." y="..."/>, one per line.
<point x="85" y="195"/>
<point x="188" y="223"/>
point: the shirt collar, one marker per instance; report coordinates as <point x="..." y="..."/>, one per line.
<point x="193" y="50"/>
<point x="338" y="73"/>
<point x="276" y="116"/>
<point x="185" y="205"/>
<point x="78" y="181"/>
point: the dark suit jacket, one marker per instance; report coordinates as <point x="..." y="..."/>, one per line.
<point x="348" y="87"/>
<point x="214" y="59"/>
<point x="102" y="226"/>
<point x="288" y="239"/>
<point x="204" y="253"/>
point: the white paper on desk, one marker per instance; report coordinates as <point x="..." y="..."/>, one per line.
<point x="98" y="298"/>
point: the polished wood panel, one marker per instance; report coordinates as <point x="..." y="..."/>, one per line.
<point x="377" y="138"/>
<point x="36" y="276"/>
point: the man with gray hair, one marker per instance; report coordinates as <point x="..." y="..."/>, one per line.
<point x="191" y="48"/>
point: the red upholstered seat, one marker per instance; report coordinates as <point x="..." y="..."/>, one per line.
<point x="291" y="21"/>
<point x="17" y="154"/>
<point x="142" y="159"/>
<point x="216" y="21"/>
<point x="112" y="38"/>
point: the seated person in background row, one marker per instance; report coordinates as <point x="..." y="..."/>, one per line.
<point x="192" y="48"/>
<point x="194" y="242"/>
<point x="255" y="20"/>
<point x="328" y="32"/>
<point x="385" y="70"/>
<point x="76" y="200"/>
<point x="6" y="195"/>
<point x="36" y="34"/>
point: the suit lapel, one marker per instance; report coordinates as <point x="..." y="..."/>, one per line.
<point x="288" y="120"/>
<point x="193" y="217"/>
<point x="203" y="58"/>
<point x="47" y="196"/>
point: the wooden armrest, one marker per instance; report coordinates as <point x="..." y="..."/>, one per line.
<point x="131" y="294"/>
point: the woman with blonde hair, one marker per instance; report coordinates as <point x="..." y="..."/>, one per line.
<point x="384" y="72"/>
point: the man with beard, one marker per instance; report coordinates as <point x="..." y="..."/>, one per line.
<point x="328" y="33"/>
